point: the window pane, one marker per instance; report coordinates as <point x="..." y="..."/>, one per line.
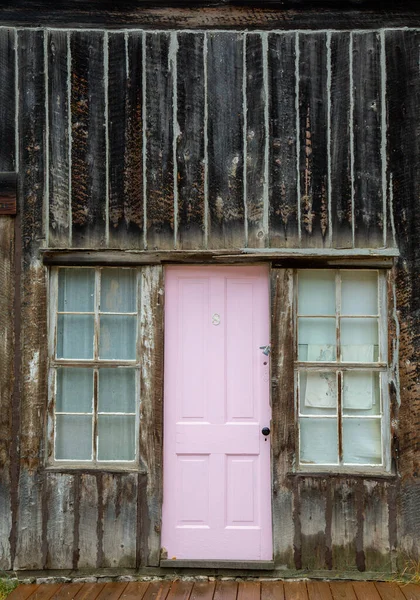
<point x="116" y="438"/>
<point x="118" y="337"/>
<point x="117" y="390"/>
<point x="359" y="340"/>
<point x="318" y="441"/>
<point x="74" y="390"/>
<point x="318" y="393"/>
<point x="316" y="295"/>
<point x="75" y="336"/>
<point x="317" y="339"/>
<point x="361" y="393"/>
<point x="362" y="441"/>
<point x="359" y="293"/>
<point x="118" y="290"/>
<point x="73" y="437"/>
<point x="76" y="290"/>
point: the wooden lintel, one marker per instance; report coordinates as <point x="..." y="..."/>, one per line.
<point x="8" y="188"/>
<point x="280" y="258"/>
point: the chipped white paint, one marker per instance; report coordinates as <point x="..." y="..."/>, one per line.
<point x="298" y="191"/>
<point x="395" y="365"/>
<point x="383" y="137"/>
<point x="329" y="165"/>
<point x="127" y="57"/>
<point x="351" y="129"/>
<point x="266" y="199"/>
<point x="244" y="137"/>
<point x="69" y="135"/>
<point x="391" y="208"/>
<point x="106" y="118"/>
<point x="16" y="103"/>
<point x="34" y="367"/>
<point x="173" y="68"/>
<point x="206" y="143"/>
<point x="144" y="82"/>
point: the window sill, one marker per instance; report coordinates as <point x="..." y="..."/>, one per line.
<point x="103" y="468"/>
<point x="365" y="474"/>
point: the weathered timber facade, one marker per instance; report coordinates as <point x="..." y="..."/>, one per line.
<point x="161" y="135"/>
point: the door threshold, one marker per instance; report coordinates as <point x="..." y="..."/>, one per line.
<point x="256" y="565"/>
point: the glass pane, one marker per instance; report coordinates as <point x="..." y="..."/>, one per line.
<point x="362" y="441"/>
<point x="74" y="390"/>
<point x="116" y="438"/>
<point x="359" y="293"/>
<point x="76" y="290"/>
<point x="75" y="336"/>
<point x="118" y="290"/>
<point x="73" y="437"/>
<point x="117" y="390"/>
<point x="317" y="339"/>
<point x="318" y="441"/>
<point x="316" y="294"/>
<point x="361" y="393"/>
<point x="359" y="340"/>
<point x="318" y="393"/>
<point x="118" y="337"/>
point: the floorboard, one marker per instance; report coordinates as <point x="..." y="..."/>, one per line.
<point x="203" y="590"/>
<point x="410" y="591"/>
<point x="390" y="591"/>
<point x="366" y="589"/>
<point x="295" y="590"/>
<point x="90" y="591"/>
<point x="272" y="590"/>
<point x="135" y="590"/>
<point x="342" y="590"/>
<point x="319" y="590"/>
<point x="249" y="590"/>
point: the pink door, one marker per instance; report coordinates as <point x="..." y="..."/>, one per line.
<point x="217" y="481"/>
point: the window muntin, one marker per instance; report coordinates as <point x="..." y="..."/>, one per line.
<point x="341" y="369"/>
<point x="94" y="365"/>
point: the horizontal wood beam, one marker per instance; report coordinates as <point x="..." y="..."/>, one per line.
<point x="8" y="192"/>
<point x="353" y="257"/>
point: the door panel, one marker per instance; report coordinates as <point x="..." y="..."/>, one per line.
<point x="217" y="478"/>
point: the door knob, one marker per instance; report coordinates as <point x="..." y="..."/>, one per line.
<point x="265" y="431"/>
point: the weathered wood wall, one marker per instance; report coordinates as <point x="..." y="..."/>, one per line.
<point x="205" y="140"/>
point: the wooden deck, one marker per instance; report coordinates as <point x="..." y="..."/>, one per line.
<point x="218" y="590"/>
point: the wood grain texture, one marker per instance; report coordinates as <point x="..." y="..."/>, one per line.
<point x="283" y="143"/>
<point x="318" y="590"/>
<point x="135" y="590"/>
<point x="7" y="100"/>
<point x="256" y="136"/>
<point x="58" y="128"/>
<point x="313" y="160"/>
<point x="226" y="590"/>
<point x="225" y="140"/>
<point x="33" y="291"/>
<point x="203" y="590"/>
<point x="151" y="408"/>
<point x="22" y="592"/>
<point x="411" y="591"/>
<point x="365" y="589"/>
<point x="90" y="591"/>
<point x="249" y="590"/>
<point x="88" y="173"/>
<point x="272" y="590"/>
<point x="159" y="141"/>
<point x="341" y="177"/>
<point x="295" y="590"/>
<point x="7" y="346"/>
<point x="119" y="520"/>
<point x="112" y="590"/>
<point x="125" y="129"/>
<point x="368" y="197"/>
<point x="282" y="402"/>
<point x="190" y="140"/>
<point x="376" y="527"/>
<point x="180" y="590"/>
<point x="312" y="522"/>
<point x="342" y="590"/>
<point x="60" y="523"/>
<point x="87" y="550"/>
<point x="157" y="590"/>
<point x="344" y="524"/>
<point x="389" y="591"/>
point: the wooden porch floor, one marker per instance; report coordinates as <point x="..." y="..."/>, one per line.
<point x="219" y="590"/>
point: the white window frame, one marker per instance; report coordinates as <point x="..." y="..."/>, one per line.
<point x="339" y="367"/>
<point x="96" y="364"/>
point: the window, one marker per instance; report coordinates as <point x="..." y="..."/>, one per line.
<point x="94" y="360"/>
<point x="341" y="369"/>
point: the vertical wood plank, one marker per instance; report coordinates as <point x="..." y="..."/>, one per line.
<point x="88" y="518"/>
<point x="7" y="99"/>
<point x="255" y="136"/>
<point x="368" y="198"/>
<point x="283" y="170"/>
<point x="376" y="527"/>
<point x="151" y="408"/>
<point x="225" y="139"/>
<point x="88" y="173"/>
<point x="119" y="520"/>
<point x="282" y="402"/>
<point x="60" y="523"/>
<point x="159" y="141"/>
<point x="33" y="292"/>
<point x="7" y="345"/>
<point x="125" y="129"/>
<point x="313" y="522"/>
<point x="58" y="114"/>
<point x="313" y="158"/>
<point x="190" y="140"/>
<point x="341" y="183"/>
<point x="344" y="525"/>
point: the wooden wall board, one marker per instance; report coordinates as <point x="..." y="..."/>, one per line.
<point x="59" y="509"/>
<point x="88" y="519"/>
